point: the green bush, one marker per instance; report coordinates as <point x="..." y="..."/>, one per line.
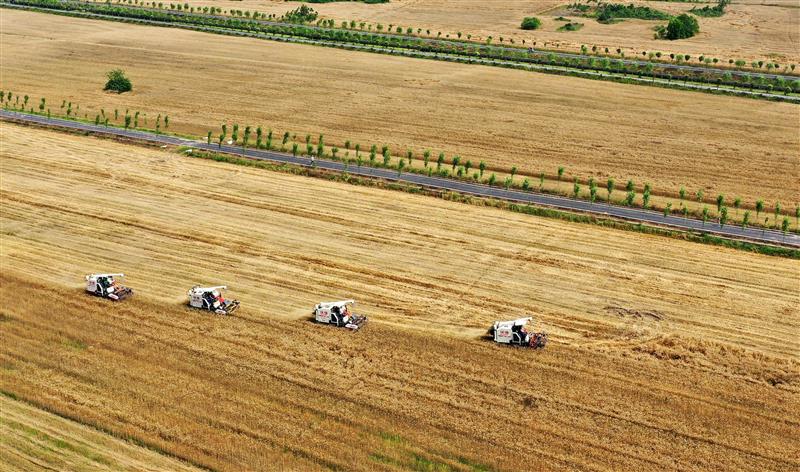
<point x="711" y="12"/>
<point x="608" y="12"/>
<point x="571" y="27"/>
<point x="531" y="23"/>
<point x="681" y="27"/>
<point x="302" y="14"/>
<point x="117" y="82"/>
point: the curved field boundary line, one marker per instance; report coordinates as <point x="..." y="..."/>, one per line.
<point x="770" y="237"/>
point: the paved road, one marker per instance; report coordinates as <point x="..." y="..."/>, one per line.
<point x="562" y="203"/>
<point x="602" y="75"/>
<point x="538" y="52"/>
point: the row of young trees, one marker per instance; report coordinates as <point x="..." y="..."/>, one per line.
<point x="382" y="156"/>
<point x="458" y="168"/>
<point x="702" y="59"/>
<point x="771" y="66"/>
<point x="722" y="212"/>
<point x="127" y="119"/>
<point x="303" y="14"/>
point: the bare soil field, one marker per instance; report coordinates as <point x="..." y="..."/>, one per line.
<point x="33" y="439"/>
<point x="748" y="30"/>
<point x="508" y="118"/>
<point x="664" y="354"/>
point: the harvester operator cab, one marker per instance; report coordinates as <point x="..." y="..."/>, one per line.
<point x="516" y="332"/>
<point x="210" y="298"/>
<point x="338" y="314"/>
<point x="105" y="285"/>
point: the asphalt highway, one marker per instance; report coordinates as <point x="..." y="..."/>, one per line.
<point x="467" y="188"/>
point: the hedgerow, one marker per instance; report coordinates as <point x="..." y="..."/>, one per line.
<point x="607" y="12"/>
<point x="709" y="11"/>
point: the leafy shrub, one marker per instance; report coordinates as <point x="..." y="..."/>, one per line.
<point x="711" y="12"/>
<point x="117" y="82"/>
<point x="571" y="27"/>
<point x="302" y="14"/>
<point x="531" y="23"/>
<point x="680" y="27"/>
<point x="608" y="12"/>
<point x="578" y="7"/>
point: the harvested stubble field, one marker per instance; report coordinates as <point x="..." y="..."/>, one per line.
<point x="508" y="118"/>
<point x="33" y="439"/>
<point x="664" y="355"/>
<point x="748" y="30"/>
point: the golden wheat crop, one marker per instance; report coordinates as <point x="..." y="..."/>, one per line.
<point x="536" y="122"/>
<point x="664" y="355"/>
<point x="34" y="439"/>
<point x="750" y="30"/>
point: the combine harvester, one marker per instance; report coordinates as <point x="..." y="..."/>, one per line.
<point x="105" y="285"/>
<point x="516" y="333"/>
<point x="210" y="298"/>
<point x="338" y="314"/>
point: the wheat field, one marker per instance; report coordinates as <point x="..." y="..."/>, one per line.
<point x="34" y="439"/>
<point x="749" y="30"/>
<point x="536" y="122"/>
<point x="664" y="354"/>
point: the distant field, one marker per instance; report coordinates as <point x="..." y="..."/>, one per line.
<point x="507" y="118"/>
<point x="664" y="355"/>
<point x="749" y="30"/>
<point x="33" y="439"/>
